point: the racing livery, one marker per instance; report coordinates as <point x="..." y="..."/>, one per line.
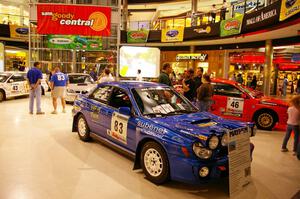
<point x="161" y="129"/>
<point x="235" y="101"/>
<point x="13" y="84"/>
<point x="79" y="83"/>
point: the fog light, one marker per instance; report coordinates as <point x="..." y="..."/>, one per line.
<point x="203" y="172"/>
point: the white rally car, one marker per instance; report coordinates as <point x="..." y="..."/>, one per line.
<point x="79" y="83"/>
<point x="13" y="84"/>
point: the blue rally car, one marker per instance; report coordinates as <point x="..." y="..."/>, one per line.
<point x="162" y="130"/>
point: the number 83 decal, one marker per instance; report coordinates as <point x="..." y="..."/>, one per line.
<point x="118" y="129"/>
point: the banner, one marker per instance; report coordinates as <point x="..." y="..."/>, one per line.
<point x="73" y="20"/>
<point x="19" y="32"/>
<point x="137" y="36"/>
<point x="264" y="17"/>
<point x="231" y="26"/>
<point x="74" y="42"/>
<point x="172" y="34"/>
<point x="204" y="31"/>
<point x="239" y="7"/>
<point x="289" y="8"/>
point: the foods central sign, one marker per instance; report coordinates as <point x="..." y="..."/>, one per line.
<point x="194" y="56"/>
<point x="79" y="20"/>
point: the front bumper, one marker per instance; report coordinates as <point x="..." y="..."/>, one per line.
<point x="187" y="170"/>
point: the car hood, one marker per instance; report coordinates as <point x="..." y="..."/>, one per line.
<point x="201" y="124"/>
<point x="272" y="101"/>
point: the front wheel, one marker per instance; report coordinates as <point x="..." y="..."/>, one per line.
<point x="2" y="96"/>
<point x="83" y="129"/>
<point x="265" y="121"/>
<point x="155" y="163"/>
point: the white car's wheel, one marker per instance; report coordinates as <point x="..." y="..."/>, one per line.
<point x="155" y="163"/>
<point x="2" y="95"/>
<point x="83" y="129"/>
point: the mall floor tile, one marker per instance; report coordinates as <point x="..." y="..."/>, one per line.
<point x="41" y="158"/>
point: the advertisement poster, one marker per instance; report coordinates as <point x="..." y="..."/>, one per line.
<point x="239" y="160"/>
<point x="239" y="6"/>
<point x="137" y="36"/>
<point x="289" y="8"/>
<point x="19" y="32"/>
<point x="231" y="26"/>
<point x="73" y="20"/>
<point x="74" y="42"/>
<point x="203" y="31"/>
<point x="1" y="57"/>
<point x="174" y="34"/>
<point x="144" y="58"/>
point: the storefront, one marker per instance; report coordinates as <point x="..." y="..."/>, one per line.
<point x="211" y="61"/>
<point x="15" y="59"/>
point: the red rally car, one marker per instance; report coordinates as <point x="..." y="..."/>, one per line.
<point x="235" y="101"/>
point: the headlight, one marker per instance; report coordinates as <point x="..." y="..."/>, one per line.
<point x="201" y="152"/>
<point x="213" y="142"/>
<point x="224" y="140"/>
<point x="70" y="90"/>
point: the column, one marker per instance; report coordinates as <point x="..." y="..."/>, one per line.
<point x="226" y="64"/>
<point x="124" y="17"/>
<point x="268" y="67"/>
<point x="193" y="14"/>
<point x="193" y="64"/>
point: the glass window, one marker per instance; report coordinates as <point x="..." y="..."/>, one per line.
<point x="4" y="77"/>
<point x="226" y="90"/>
<point x="17" y="78"/>
<point x="80" y="79"/>
<point x="161" y="101"/>
<point x="119" y="98"/>
<point x="101" y="94"/>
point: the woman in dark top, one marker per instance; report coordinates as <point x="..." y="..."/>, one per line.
<point x="253" y="83"/>
<point x="204" y="94"/>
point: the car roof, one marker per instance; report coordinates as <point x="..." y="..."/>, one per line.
<point x="133" y="84"/>
<point x="78" y="74"/>
<point x="12" y="72"/>
<point x="222" y="80"/>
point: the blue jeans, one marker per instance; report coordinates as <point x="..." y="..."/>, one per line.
<point x="289" y="130"/>
<point x="204" y="105"/>
<point x="35" y="93"/>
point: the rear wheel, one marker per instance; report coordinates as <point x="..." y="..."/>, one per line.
<point x="83" y="129"/>
<point x="155" y="163"/>
<point x="265" y="120"/>
<point x="2" y="95"/>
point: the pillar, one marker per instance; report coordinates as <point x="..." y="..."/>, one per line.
<point x="226" y="64"/>
<point x="193" y="14"/>
<point x="268" y="67"/>
<point x="124" y="17"/>
<point x="193" y="64"/>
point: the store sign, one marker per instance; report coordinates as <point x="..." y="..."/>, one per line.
<point x="264" y="17"/>
<point x="174" y="34"/>
<point x="231" y="26"/>
<point x="138" y="36"/>
<point x="19" y="32"/>
<point x="73" y="20"/>
<point x="74" y="42"/>
<point x="239" y="160"/>
<point x="203" y="31"/>
<point x="289" y="8"/>
<point x="1" y="57"/>
<point x="195" y="56"/>
<point x="250" y="4"/>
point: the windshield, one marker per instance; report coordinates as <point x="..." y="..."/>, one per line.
<point x="249" y="91"/>
<point x="80" y="79"/>
<point x="161" y="101"/>
<point x="3" y="77"/>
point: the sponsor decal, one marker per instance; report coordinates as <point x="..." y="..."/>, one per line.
<point x="69" y="19"/>
<point x="237" y="132"/>
<point x="207" y="124"/>
<point x="289" y="8"/>
<point x="151" y="127"/>
<point x="207" y="30"/>
<point x="139" y="36"/>
<point x="231" y="26"/>
<point x="202" y="137"/>
<point x="20" y="32"/>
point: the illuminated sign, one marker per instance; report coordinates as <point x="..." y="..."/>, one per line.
<point x="194" y="56"/>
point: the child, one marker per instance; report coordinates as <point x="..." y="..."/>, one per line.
<point x="292" y="124"/>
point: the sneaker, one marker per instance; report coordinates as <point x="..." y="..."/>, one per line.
<point x="284" y="150"/>
<point x="40" y="113"/>
<point x="64" y="111"/>
<point x="31" y="113"/>
<point x="54" y="112"/>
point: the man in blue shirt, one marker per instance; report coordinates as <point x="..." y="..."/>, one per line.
<point x="58" y="83"/>
<point x="34" y="77"/>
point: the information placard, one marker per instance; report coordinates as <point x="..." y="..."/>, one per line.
<point x="239" y="160"/>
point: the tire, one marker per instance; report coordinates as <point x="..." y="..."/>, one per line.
<point x="154" y="162"/>
<point x="265" y="120"/>
<point x="2" y="95"/>
<point x="83" y="129"/>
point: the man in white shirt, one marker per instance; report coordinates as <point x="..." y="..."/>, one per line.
<point x="223" y="10"/>
<point x="107" y="76"/>
<point x="139" y="76"/>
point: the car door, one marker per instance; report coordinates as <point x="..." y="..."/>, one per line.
<point x="229" y="102"/>
<point x="17" y="85"/>
<point x="96" y="109"/>
<point x="122" y="128"/>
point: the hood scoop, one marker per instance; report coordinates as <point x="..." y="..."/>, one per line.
<point x="82" y="84"/>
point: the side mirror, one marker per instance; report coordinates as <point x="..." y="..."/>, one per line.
<point x="11" y="81"/>
<point x="125" y="111"/>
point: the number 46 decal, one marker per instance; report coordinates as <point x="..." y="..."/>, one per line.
<point x="235" y="104"/>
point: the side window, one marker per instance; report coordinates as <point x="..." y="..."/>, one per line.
<point x="17" y="78"/>
<point x="226" y="90"/>
<point x="119" y="98"/>
<point x="101" y="94"/>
